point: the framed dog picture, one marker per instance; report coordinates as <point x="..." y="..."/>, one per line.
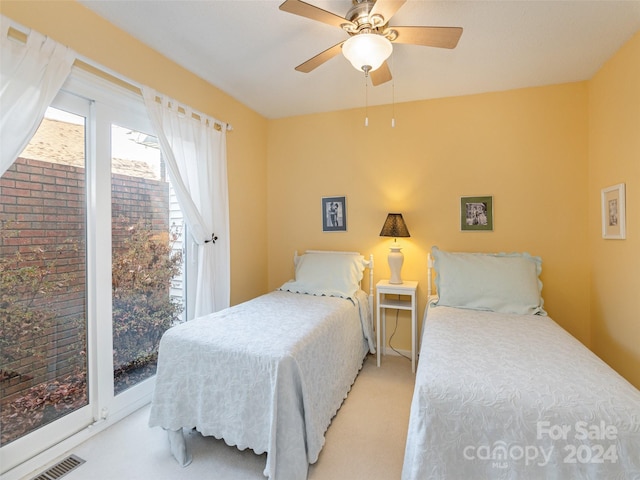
<point x="476" y="213"/>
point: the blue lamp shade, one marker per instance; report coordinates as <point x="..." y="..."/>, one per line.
<point x="394" y="226"/>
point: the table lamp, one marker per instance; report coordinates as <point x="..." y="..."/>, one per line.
<point x="394" y="226"/>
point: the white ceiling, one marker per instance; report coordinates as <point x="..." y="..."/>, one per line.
<point x="249" y="48"/>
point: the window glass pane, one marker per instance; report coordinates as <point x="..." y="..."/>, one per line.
<point x="43" y="355"/>
<point x="147" y="229"/>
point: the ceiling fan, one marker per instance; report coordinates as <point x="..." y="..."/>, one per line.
<point x="370" y="35"/>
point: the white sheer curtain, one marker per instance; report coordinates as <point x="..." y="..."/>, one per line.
<point x="31" y="75"/>
<point x="196" y="158"/>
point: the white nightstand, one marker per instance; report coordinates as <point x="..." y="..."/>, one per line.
<point x="405" y="289"/>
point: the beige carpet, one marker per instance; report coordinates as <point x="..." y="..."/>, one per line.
<point x="365" y="440"/>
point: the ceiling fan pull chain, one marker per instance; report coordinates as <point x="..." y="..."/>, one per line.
<point x="393" y="100"/>
<point x="366" y="100"/>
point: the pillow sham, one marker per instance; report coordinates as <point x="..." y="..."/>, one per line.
<point x="333" y="274"/>
<point x="499" y="282"/>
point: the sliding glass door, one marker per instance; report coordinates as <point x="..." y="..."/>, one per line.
<point x="146" y="256"/>
<point x="44" y="363"/>
<point x="91" y="270"/>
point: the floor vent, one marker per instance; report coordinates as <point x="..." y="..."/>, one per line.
<point x="60" y="469"/>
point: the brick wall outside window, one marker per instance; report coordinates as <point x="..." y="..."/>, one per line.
<point x="42" y="206"/>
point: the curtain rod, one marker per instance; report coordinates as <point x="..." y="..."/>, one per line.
<point x="99" y="72"/>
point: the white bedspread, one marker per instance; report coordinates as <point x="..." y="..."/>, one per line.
<point x="268" y="374"/>
<point x="516" y="397"/>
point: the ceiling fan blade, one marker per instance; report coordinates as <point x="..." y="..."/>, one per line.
<point x="381" y="74"/>
<point x="319" y="59"/>
<point x="298" y="7"/>
<point x="386" y="8"/>
<point x="442" y="37"/>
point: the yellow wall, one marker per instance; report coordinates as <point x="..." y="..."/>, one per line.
<point x="74" y="25"/>
<point x="614" y="157"/>
<point x="527" y="148"/>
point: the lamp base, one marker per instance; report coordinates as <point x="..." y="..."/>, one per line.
<point x="395" y="259"/>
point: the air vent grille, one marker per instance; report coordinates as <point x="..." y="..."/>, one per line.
<point x="61" y="468"/>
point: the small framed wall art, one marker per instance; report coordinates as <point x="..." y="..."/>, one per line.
<point x="334" y="214"/>
<point x="613" y="212"/>
<point x="476" y="214"/>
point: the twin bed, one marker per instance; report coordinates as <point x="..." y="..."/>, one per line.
<point x="270" y="374"/>
<point x="502" y="391"/>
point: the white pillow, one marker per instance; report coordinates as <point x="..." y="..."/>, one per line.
<point x="333" y="274"/>
<point x="499" y="282"/>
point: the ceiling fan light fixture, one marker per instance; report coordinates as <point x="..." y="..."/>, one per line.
<point x="367" y="51"/>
